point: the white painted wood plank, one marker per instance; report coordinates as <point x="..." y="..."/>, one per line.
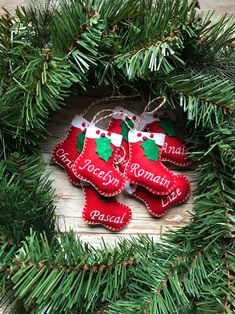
<point x="69" y="199"/>
<point x="176" y="216"/>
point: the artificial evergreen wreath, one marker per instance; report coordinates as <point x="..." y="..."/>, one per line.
<point x="161" y="48"/>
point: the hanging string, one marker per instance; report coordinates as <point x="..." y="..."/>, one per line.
<point x="111" y="98"/>
<point x="93" y="121"/>
<point x="113" y="112"/>
<point x="117" y="162"/>
<point x="163" y="100"/>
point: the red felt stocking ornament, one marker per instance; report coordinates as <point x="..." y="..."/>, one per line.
<point x="96" y="164"/>
<point x="158" y="205"/>
<point x="121" y="123"/>
<point x="106" y="211"/>
<point x="174" y="149"/>
<point x="66" y="152"/>
<point x="145" y="167"/>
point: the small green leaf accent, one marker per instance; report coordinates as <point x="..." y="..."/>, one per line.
<point x="103" y="148"/>
<point x="168" y="127"/>
<point x="80" y="142"/>
<point x="125" y="129"/>
<point x="150" y="149"/>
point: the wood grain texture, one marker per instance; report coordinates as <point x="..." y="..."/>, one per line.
<point x="220" y="6"/>
<point x="10" y="5"/>
<point x="69" y="199"/>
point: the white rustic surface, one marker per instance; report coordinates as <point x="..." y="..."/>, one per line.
<point x="69" y="199"/>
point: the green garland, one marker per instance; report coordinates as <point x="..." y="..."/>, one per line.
<point x="48" y="52"/>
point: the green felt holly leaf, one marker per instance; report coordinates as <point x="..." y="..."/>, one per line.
<point x="168" y="127"/>
<point x="150" y="149"/>
<point x="103" y="148"/>
<point x="126" y="129"/>
<point x="80" y="142"/>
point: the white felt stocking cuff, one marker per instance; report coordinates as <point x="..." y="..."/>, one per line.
<point x="147" y="119"/>
<point x="80" y="122"/>
<point x="94" y="132"/>
<point x="127" y="114"/>
<point x="137" y="136"/>
<point x="150" y="117"/>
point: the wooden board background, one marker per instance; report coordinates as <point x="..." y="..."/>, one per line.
<point x="69" y="199"/>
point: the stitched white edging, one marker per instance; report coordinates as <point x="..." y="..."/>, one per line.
<point x="77" y="122"/>
<point x="58" y="162"/>
<point x="79" y="176"/>
<point x="148" y="206"/>
<point x="92" y="131"/>
<point x="146" y="186"/>
<point x="180" y="164"/>
<point x="177" y="163"/>
<point x="175" y="204"/>
<point x="99" y="223"/>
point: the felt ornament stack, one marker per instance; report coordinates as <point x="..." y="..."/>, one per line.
<point x="96" y="162"/>
<point x="174" y="150"/>
<point x="121" y="122"/>
<point x="105" y="211"/>
<point x="175" y="189"/>
<point x="158" y="205"/>
<point x="88" y="155"/>
<point x="144" y="166"/>
<point x="105" y="162"/>
<point x="66" y="152"/>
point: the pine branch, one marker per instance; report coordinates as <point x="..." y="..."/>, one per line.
<point x="192" y="270"/>
<point x="37" y="88"/>
<point x="6" y="24"/>
<point x="153" y="57"/>
<point x="213" y="43"/>
<point x="26" y="198"/>
<point x="171" y="287"/>
<point x="14" y="46"/>
<point x="202" y="96"/>
<point x="78" y="41"/>
<point x="216" y="38"/>
<point x="34" y="83"/>
<point x="223" y="70"/>
<point x="119" y="11"/>
<point x="86" y="276"/>
<point x="7" y="301"/>
<point x="152" y="42"/>
<point x="195" y="263"/>
<point x="37" y="18"/>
